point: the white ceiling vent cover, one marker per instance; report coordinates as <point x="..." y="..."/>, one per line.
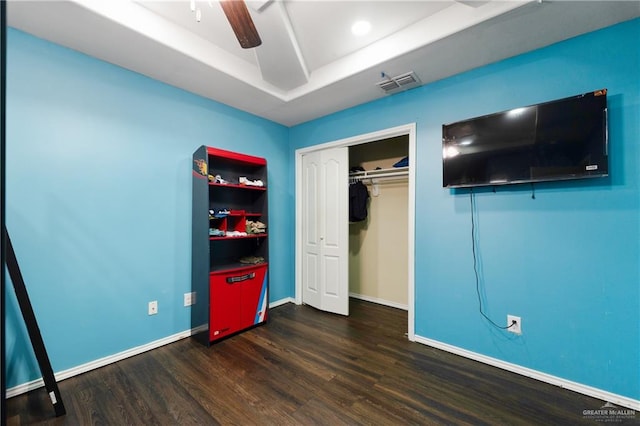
<point x="405" y="81"/>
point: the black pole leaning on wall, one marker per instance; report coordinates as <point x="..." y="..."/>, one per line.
<point x="3" y="109"/>
<point x="32" y="327"/>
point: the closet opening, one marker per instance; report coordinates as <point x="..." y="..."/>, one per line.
<point x="378" y="244"/>
<point x="373" y="260"/>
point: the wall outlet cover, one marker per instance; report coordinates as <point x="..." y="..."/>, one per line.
<point x="153" y="307"/>
<point x="514" y="327"/>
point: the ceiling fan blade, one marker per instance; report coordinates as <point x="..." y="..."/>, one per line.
<point x="241" y="23"/>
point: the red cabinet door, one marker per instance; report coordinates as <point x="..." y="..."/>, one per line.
<point x="238" y="300"/>
<point x="224" y="305"/>
<point x="253" y="308"/>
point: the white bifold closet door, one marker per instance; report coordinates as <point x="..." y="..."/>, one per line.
<point x="325" y="234"/>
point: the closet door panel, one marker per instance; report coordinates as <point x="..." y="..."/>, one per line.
<point x="325" y="220"/>
<point x="334" y="233"/>
<point x="330" y="238"/>
<point x="311" y="198"/>
<point x="331" y="269"/>
<point x="311" y="273"/>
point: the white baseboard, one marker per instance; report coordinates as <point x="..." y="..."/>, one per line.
<point x="92" y="365"/>
<point x="534" y="374"/>
<point x="379" y="301"/>
<point x="282" y="302"/>
<point x="101" y="362"/>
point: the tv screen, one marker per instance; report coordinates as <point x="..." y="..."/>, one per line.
<point x="562" y="139"/>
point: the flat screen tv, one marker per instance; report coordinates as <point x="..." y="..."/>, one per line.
<point x="557" y="140"/>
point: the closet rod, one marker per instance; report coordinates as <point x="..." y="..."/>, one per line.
<point x="380" y="173"/>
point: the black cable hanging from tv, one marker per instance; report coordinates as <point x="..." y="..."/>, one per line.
<point x="475" y="262"/>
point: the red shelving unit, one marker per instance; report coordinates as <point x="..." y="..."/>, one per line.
<point x="229" y="255"/>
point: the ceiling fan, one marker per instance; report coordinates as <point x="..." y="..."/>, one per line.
<point x="241" y="23"/>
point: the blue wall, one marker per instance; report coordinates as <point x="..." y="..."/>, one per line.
<point x="99" y="201"/>
<point x="568" y="261"/>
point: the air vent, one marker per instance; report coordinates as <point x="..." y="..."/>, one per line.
<point x="388" y="85"/>
<point x="400" y="82"/>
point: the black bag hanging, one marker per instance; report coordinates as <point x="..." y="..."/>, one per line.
<point x="358" y="197"/>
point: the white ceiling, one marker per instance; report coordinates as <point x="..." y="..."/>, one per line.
<point x="309" y="63"/>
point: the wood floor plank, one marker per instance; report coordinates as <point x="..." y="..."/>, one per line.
<point x="306" y="367"/>
<point x="162" y="392"/>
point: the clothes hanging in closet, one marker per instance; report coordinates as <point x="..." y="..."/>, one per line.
<point x="358" y="198"/>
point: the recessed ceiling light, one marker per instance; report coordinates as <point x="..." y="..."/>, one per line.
<point x="360" y="28"/>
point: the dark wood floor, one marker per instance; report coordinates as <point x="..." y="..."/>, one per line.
<point x="305" y="367"/>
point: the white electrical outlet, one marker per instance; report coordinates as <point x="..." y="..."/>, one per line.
<point x="514" y="323"/>
<point x="190" y="298"/>
<point x="153" y="307"/>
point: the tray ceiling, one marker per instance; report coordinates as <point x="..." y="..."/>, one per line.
<point x="309" y="64"/>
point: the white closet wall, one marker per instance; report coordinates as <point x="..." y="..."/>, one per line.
<point x="378" y="269"/>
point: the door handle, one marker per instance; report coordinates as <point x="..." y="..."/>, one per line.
<point x="237" y="279"/>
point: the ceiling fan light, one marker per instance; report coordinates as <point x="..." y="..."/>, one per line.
<point x="360" y="28"/>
